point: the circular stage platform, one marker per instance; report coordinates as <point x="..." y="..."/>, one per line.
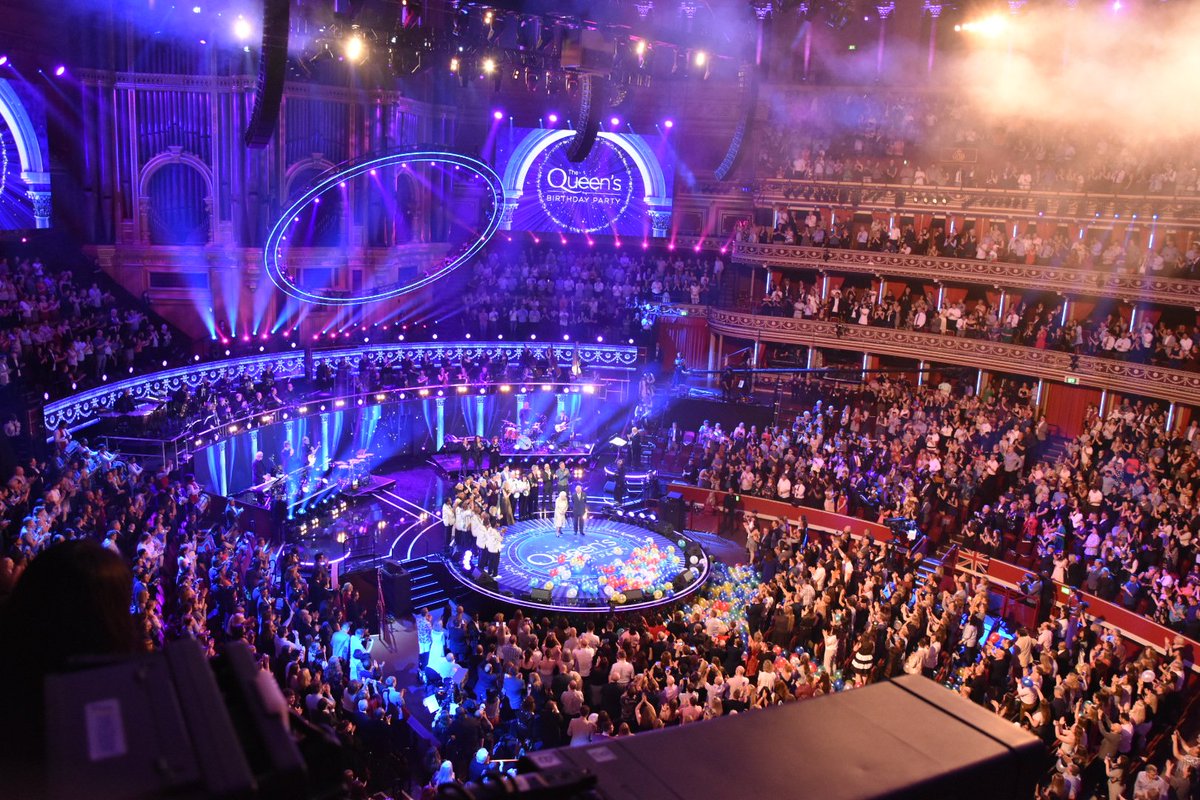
<point x="616" y="565"/>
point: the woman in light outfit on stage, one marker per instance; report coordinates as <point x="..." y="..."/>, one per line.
<point x="560" y="513"/>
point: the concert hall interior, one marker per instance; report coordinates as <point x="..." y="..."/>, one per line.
<point x="458" y="398"/>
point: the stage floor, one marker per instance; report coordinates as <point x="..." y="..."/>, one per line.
<point x="614" y="564"/>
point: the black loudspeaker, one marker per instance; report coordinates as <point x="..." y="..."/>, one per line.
<point x="683" y="580"/>
<point x="592" y="100"/>
<point x="487" y="582"/>
<point x="635" y="596"/>
<point x="397" y="588"/>
<point x="540" y="595"/>
<point x="272" y="70"/>
<point x="748" y="77"/>
<point x="673" y="511"/>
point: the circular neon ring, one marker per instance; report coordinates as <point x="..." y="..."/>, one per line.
<point x="271" y="250"/>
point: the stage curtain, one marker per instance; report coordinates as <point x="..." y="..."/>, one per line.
<point x="684" y="335"/>
<point x="1064" y="406"/>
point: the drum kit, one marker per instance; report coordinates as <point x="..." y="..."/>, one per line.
<point x="524" y="440"/>
<point x="353" y="471"/>
<point x="515" y="438"/>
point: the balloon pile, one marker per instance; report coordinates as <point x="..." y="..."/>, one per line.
<point x="729" y="592"/>
<point x="647" y="567"/>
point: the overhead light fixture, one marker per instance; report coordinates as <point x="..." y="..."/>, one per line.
<point x="241" y="28"/>
<point x="355" y="49"/>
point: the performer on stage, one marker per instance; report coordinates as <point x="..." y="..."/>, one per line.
<point x="448" y="523"/>
<point x="560" y="513"/>
<point x="579" y="509"/>
<point x="535" y="490"/>
<point x="261" y="469"/>
<point x="562" y="478"/>
<point x="493" y="543"/>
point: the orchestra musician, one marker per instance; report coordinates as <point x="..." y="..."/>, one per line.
<point x="287" y="456"/>
<point x="260" y="470"/>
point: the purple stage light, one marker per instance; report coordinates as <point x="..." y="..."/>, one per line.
<point x="615" y="121"/>
<point x="497" y="114"/>
<point x="553" y="117"/>
<point x="59" y="71"/>
<point x="3" y="60"/>
<point x="669" y="123"/>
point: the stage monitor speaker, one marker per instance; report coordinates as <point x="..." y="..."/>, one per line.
<point x="635" y="596"/>
<point x="540" y="595"/>
<point x="487" y="582"/>
<point x="272" y="71"/>
<point x="683" y="580"/>
<point x="673" y="511"/>
<point x="397" y="588"/>
<point x="592" y="100"/>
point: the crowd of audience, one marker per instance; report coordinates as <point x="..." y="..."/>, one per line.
<point x="817" y="613"/>
<point x="1113" y="512"/>
<point x="1096" y="252"/>
<point x="925" y="139"/>
<point x="582" y="293"/>
<point x="812" y="615"/>
<point x="58" y="336"/>
<point x="191" y="569"/>
<point x="1037" y="323"/>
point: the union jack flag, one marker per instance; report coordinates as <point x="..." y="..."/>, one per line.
<point x="971" y="561"/>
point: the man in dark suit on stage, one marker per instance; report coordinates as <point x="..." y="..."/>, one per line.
<point x="579" y="509"/>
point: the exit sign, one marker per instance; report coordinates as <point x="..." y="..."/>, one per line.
<point x="1071" y="379"/>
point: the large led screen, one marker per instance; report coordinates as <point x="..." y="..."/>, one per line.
<point x="24" y="174"/>
<point x="623" y="186"/>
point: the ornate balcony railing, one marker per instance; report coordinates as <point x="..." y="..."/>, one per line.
<point x="1087" y="207"/>
<point x="1146" y="380"/>
<point x="85" y="405"/>
<point x="1131" y="288"/>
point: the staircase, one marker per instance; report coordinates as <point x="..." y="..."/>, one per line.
<point x="431" y="583"/>
<point x="1056" y="448"/>
<point x="929" y="565"/>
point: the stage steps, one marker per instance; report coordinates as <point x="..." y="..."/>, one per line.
<point x="431" y="584"/>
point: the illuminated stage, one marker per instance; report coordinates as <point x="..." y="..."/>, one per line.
<point x="616" y="564"/>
